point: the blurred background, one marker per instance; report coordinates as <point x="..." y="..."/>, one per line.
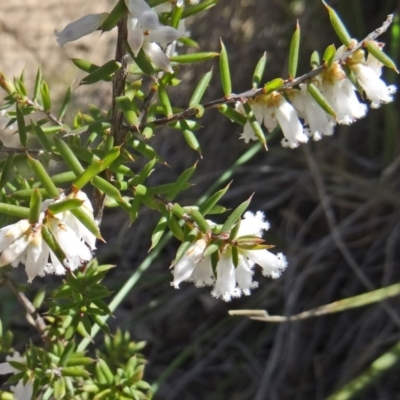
<point x="334" y="207"/>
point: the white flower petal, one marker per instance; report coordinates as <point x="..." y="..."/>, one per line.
<point x="163" y="35"/>
<point x="244" y="275"/>
<point x="23" y="391"/>
<point x="203" y="274"/>
<point x="157" y="56"/>
<point x="14" y="251"/>
<point x="225" y="285"/>
<point x="272" y="264"/>
<point x="253" y="224"/>
<point x="135" y="36"/>
<point x="81" y="27"/>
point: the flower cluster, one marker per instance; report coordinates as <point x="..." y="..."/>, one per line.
<point x="23" y="390"/>
<point x="227" y="280"/>
<point x="288" y="108"/>
<point x="145" y="31"/>
<point x="24" y="242"/>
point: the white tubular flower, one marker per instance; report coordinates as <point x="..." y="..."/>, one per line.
<point x="79" y="28"/>
<point x="144" y="30"/>
<point x="76" y="252"/>
<point x="318" y="121"/>
<point x="23" y="391"/>
<point x="70" y="220"/>
<point x="244" y="276"/>
<point x="368" y="75"/>
<point x="23" y="243"/>
<point x="225" y="285"/>
<point x="340" y="94"/>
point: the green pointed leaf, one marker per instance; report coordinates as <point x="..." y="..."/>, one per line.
<point x="193" y="57"/>
<point x="164" y="100"/>
<point x="65" y="103"/>
<point x="224" y="71"/>
<point x="232" y="114"/>
<point x="96" y="167"/>
<point x="7" y="171"/>
<point x="213" y="200"/>
<point x="338" y="25"/>
<point x="234" y="217"/>
<point x="105" y="71"/>
<point x="202" y="6"/>
<point x="35" y="206"/>
<point x="64" y="205"/>
<point x="200" y="89"/>
<point x="158" y="231"/>
<point x="273" y="85"/>
<point x="21" y="127"/>
<point x="128" y="109"/>
<point x="235" y="256"/>
<point x="104" y="373"/>
<point x="43" y="139"/>
<point x="141" y="60"/>
<point x="190" y="138"/>
<point x="198" y="218"/>
<point x="43" y="177"/>
<point x="181" y="182"/>
<point x="115" y="15"/>
<point x="377" y="52"/>
<point x="320" y="99"/>
<point x="176" y="16"/>
<point x="87" y="66"/>
<point x="68" y="156"/>
<point x="213" y="248"/>
<point x="45" y="93"/>
<point x="38" y="84"/>
<point x="294" y="52"/>
<point x="329" y="55"/>
<point x="176" y="229"/>
<point x="53" y="244"/>
<point x="16" y="211"/>
<point x="259" y="71"/>
<point x="314" y="60"/>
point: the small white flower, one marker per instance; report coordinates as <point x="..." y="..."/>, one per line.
<point x="375" y="88"/>
<point x="23" y="243"/>
<point x="225" y="285"/>
<point x="145" y="31"/>
<point x="75" y="224"/>
<point x="23" y="391"/>
<point x="340" y="94"/>
<point x="318" y="121"/>
<point x="79" y="28"/>
<point x="244" y="275"/>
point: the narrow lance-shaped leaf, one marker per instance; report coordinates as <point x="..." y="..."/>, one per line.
<point x="329" y="55"/>
<point x="176" y="16"/>
<point x="43" y="139"/>
<point x="65" y="103"/>
<point x="7" y="171"/>
<point x="338" y="25"/>
<point x="128" y="109"/>
<point x="101" y="73"/>
<point x="115" y="15"/>
<point x="259" y="70"/>
<point x="38" y="84"/>
<point x="87" y="66"/>
<point x="232" y="114"/>
<point x="294" y="52"/>
<point x="202" y="6"/>
<point x="193" y="57"/>
<point x="96" y="167"/>
<point x="68" y="156"/>
<point x="190" y="138"/>
<point x="175" y="228"/>
<point x="87" y="221"/>
<point x="200" y="89"/>
<point x="224" y="71"/>
<point x="141" y="60"/>
<point x="181" y="182"/>
<point x="320" y="99"/>
<point x="21" y="126"/>
<point x="16" y="211"/>
<point x="64" y="205"/>
<point x="53" y="244"/>
<point x="164" y="100"/>
<point x="234" y="217"/>
<point x="43" y="177"/>
<point x="376" y="51"/>
<point x="213" y="200"/>
<point x="45" y="93"/>
<point x="314" y="60"/>
<point x="35" y="206"/>
<point x="201" y="222"/>
<point x="273" y="85"/>
<point x="255" y="126"/>
<point x="158" y="231"/>
<point x="213" y="248"/>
